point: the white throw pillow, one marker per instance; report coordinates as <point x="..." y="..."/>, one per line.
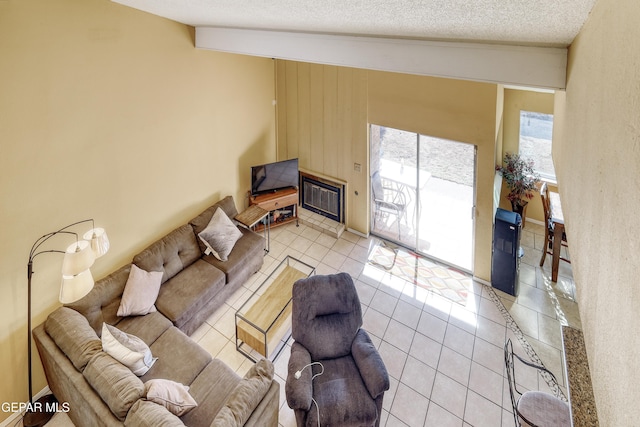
<point x="140" y="292"/>
<point x="220" y="236"/>
<point x="170" y="394"/>
<point x="127" y="349"/>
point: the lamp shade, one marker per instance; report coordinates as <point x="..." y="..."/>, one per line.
<point x="99" y="241"/>
<point x="77" y="258"/>
<point x="74" y="287"/>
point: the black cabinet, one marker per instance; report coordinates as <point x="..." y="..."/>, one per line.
<point x="505" y="260"/>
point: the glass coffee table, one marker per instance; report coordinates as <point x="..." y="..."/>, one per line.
<point x="263" y="322"/>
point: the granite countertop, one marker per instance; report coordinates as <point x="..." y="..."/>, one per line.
<point x="583" y="404"/>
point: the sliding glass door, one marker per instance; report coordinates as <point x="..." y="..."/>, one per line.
<point x="423" y="193"/>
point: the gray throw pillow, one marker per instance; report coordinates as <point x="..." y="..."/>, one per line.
<point x="220" y="236"/>
<point x="172" y="395"/>
<point x="127" y="349"/>
<point x="140" y="292"/>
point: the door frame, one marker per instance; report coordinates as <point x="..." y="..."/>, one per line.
<point x="413" y="246"/>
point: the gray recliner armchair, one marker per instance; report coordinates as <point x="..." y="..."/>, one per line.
<point x="335" y="373"/>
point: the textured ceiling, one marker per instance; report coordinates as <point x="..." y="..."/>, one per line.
<point x="528" y="22"/>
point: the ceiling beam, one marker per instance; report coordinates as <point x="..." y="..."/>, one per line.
<point x="541" y="67"/>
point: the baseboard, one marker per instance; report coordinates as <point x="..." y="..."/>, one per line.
<point x="16" y="416"/>
<point x="357" y="233"/>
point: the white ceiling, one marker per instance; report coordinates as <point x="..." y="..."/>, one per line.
<point x="549" y="23"/>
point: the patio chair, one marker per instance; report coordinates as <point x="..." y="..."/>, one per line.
<point x="548" y="231"/>
<point x="533" y="408"/>
<point x="388" y="200"/>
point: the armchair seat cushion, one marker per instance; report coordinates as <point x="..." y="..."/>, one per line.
<point x="342" y="396"/>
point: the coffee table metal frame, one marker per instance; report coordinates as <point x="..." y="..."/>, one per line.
<point x="269" y="329"/>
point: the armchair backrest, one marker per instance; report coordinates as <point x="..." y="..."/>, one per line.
<point x="326" y="315"/>
<point x="544" y="196"/>
<point x="376" y="187"/>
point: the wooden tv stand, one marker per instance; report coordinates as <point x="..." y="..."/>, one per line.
<point x="282" y="206"/>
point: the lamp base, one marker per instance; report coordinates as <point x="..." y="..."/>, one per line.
<point x="41" y="411"/>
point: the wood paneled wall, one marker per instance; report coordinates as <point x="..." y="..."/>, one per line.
<point x="323" y="114"/>
<point x="322" y="120"/>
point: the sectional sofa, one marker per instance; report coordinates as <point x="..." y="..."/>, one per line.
<point x="102" y="390"/>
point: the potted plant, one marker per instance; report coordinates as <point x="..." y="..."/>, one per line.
<point x="521" y="179"/>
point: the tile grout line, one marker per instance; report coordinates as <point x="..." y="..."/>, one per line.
<point x="511" y="324"/>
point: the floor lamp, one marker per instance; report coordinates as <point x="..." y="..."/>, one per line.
<point x="76" y="283"/>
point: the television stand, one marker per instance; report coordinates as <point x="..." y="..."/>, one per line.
<point x="282" y="206"/>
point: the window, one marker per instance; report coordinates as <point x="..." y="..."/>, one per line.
<point x="536" y="130"/>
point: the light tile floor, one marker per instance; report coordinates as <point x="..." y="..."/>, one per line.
<point x="445" y="359"/>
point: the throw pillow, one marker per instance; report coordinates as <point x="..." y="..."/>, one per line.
<point x="140" y="292"/>
<point x="127" y="349"/>
<point x="220" y="236"/>
<point x="170" y="394"/>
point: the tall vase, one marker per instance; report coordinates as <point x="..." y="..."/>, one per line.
<point x="520" y="208"/>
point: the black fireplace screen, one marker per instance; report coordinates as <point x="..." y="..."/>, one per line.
<point x="323" y="198"/>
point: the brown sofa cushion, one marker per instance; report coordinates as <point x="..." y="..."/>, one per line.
<point x="200" y="222"/>
<point x="180" y="359"/>
<point x="171" y="254"/>
<point x="245" y="259"/>
<point x="118" y="387"/>
<point x="101" y="304"/>
<point x="246" y="396"/>
<point x="148" y="414"/>
<point x="188" y="292"/>
<point x="148" y="327"/>
<point x="73" y="334"/>
<point x="210" y="390"/>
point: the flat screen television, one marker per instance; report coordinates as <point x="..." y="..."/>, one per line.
<point x="275" y="176"/>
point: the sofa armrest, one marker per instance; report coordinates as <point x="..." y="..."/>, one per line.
<point x="266" y="413"/>
<point x="145" y="413"/>
<point x="299" y="391"/>
<point x="246" y="396"/>
<point x="370" y="364"/>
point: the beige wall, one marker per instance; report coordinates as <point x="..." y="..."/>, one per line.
<point x="515" y="101"/>
<point x="597" y="161"/>
<point x="324" y="111"/>
<point x="111" y="113"/>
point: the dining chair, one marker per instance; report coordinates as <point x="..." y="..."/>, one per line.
<point x="533" y="408"/>
<point x="388" y="200"/>
<point x="549" y="227"/>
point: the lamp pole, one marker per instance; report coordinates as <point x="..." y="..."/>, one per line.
<point x="38" y="413"/>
